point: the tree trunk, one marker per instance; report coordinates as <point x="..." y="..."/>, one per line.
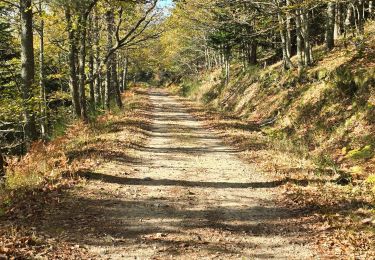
<point x="108" y="86"/>
<point x="285" y="39"/>
<point x="348" y="19"/>
<point x="360" y="17"/>
<point x="330" y="26"/>
<point x="306" y="37"/>
<point x="73" y="80"/>
<point x="338" y="20"/>
<point x="98" y="81"/>
<point x="43" y="97"/>
<point x="125" y="74"/>
<point x="288" y="35"/>
<point x="91" y="65"/>
<point x="27" y="68"/>
<point x="227" y="64"/>
<point x="115" y="82"/>
<point x="300" y="53"/>
<point x="2" y="163"/>
<point x="82" y="63"/>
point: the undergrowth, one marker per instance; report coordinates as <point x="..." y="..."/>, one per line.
<point x="48" y="164"/>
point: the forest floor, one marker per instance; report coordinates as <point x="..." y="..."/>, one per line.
<point x="182" y="193"/>
<point x="155" y="182"/>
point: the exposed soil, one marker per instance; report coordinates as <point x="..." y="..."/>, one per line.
<point x="184" y="194"/>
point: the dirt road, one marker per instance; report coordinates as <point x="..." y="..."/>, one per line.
<point x="183" y="195"/>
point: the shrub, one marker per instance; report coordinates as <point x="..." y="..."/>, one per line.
<point x="366" y="152"/>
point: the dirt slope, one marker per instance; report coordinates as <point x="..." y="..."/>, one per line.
<point x="183" y="195"/>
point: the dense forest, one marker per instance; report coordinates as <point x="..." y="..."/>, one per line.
<point x="290" y="82"/>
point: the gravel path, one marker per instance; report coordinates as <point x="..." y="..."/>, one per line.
<point x="185" y="196"/>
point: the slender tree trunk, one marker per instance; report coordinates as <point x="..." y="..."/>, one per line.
<point x="43" y="97"/>
<point x="338" y="20"/>
<point x="227" y="64"/>
<point x="91" y="64"/>
<point x="120" y="72"/>
<point x="108" y="86"/>
<point x="115" y="82"/>
<point x="348" y="19"/>
<point x="73" y="80"/>
<point x="300" y="53"/>
<point x="288" y="38"/>
<point x="112" y="76"/>
<point x="2" y="163"/>
<point x="285" y="39"/>
<point x="82" y="64"/>
<point x="27" y="68"/>
<point x="306" y="38"/>
<point x="216" y="60"/>
<point x="360" y="16"/>
<point x="98" y="85"/>
<point x="330" y="26"/>
<point x="92" y="85"/>
<point x="125" y="74"/>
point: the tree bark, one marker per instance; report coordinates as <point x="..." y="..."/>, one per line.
<point x="227" y="64"/>
<point x="27" y="68"/>
<point x="91" y="64"/>
<point x="82" y="63"/>
<point x="360" y="17"/>
<point x="300" y="52"/>
<point x="306" y="37"/>
<point x="285" y="37"/>
<point x="115" y="82"/>
<point x="330" y="26"/>
<point x="2" y="164"/>
<point x="73" y="80"/>
<point x="108" y="85"/>
<point x="125" y="74"/>
<point x="43" y="97"/>
<point x="98" y="81"/>
<point x="338" y="20"/>
<point x="348" y="19"/>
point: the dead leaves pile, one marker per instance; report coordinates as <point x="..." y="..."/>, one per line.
<point x="25" y="245"/>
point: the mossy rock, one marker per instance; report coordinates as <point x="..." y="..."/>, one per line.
<point x="364" y="153"/>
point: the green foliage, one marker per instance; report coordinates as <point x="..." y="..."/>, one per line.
<point x="214" y="92"/>
<point x="23" y="180"/>
<point x="187" y="88"/>
<point x="371" y="180"/>
<point x="326" y="164"/>
<point x="60" y="122"/>
<point x="364" y="153"/>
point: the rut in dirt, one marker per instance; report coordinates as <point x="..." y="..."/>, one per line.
<point x="188" y="196"/>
